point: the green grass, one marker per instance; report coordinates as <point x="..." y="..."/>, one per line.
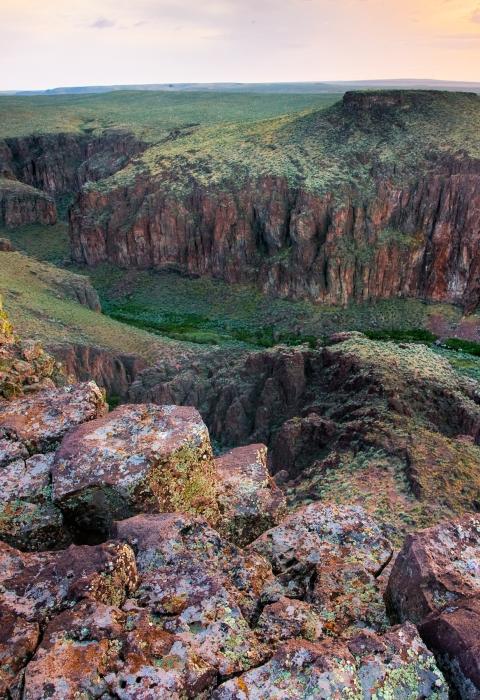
<point x="39" y="307"/>
<point x="412" y="335"/>
<point x="150" y="115"/>
<point x="319" y="150"/>
<point x="469" y="347"/>
<point x="211" y="311"/>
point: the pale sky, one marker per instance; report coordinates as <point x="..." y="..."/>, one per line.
<point x="50" y="43"/>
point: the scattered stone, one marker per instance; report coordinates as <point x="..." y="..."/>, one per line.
<point x="141" y="458"/>
<point x="249" y="499"/>
<point x="6" y="245"/>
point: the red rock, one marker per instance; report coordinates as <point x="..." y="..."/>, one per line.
<point x="436" y="568"/>
<point x="435" y="583"/>
<point x="36" y="586"/>
<point x="329" y="556"/>
<point x="27" y="480"/>
<point x="142" y="458"/>
<point x="40" y="421"/>
<point x="288" y="618"/>
<point x="201" y="589"/>
<point x="237" y="235"/>
<point x="391" y="667"/>
<point x="249" y="499"/>
<point x="6" y="245"/>
<point x="18" y="641"/>
<point x="21" y="204"/>
<point x="453" y="635"/>
<point x="78" y="649"/>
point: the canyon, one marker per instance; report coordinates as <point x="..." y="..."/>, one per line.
<point x="401" y="229"/>
<point x="230" y="515"/>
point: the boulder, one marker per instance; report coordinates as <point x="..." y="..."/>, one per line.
<point x="6" y="245"/>
<point x="28" y="480"/>
<point x="38" y="585"/>
<point x="39" y="421"/>
<point x="18" y="641"/>
<point x="435" y="569"/>
<point x="435" y="582"/>
<point x="28" y="518"/>
<point x="454" y="637"/>
<point x="141" y="458"/>
<point x="330" y="557"/>
<point x="395" y="666"/>
<point x="200" y="588"/>
<point x="96" y="650"/>
<point x="288" y="618"/>
<point x="249" y="499"/>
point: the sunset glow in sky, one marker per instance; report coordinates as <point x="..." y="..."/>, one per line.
<point x="49" y="43"/>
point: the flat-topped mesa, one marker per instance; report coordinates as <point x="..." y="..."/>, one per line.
<point x="364" y="101"/>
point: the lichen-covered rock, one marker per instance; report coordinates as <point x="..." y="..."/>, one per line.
<point x="143" y="458"/>
<point x="329" y="556"/>
<point x="436" y="568"/>
<point x="78" y="649"/>
<point x="200" y="588"/>
<point x="297" y="671"/>
<point x="37" y="585"/>
<point x="28" y="518"/>
<point x="33" y="526"/>
<point x="435" y="582"/>
<point x="454" y="636"/>
<point x="288" y="618"/>
<point x="157" y="665"/>
<point x="396" y="666"/>
<point x="39" y="421"/>
<point x="24" y="365"/>
<point x="95" y="649"/>
<point x="18" y="641"/>
<point x="28" y="480"/>
<point x="249" y="499"/>
<point x="10" y="449"/>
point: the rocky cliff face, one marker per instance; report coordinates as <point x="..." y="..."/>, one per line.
<point x="420" y="240"/>
<point x="21" y="204"/>
<point x="34" y="170"/>
<point x="113" y="372"/>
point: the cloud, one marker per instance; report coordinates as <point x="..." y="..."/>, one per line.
<point x="102" y="23"/>
<point x="476" y="15"/>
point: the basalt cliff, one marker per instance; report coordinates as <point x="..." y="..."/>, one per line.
<point x="398" y="229"/>
<point x="376" y="197"/>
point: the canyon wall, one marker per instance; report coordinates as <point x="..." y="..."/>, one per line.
<point x="21" y="204"/>
<point x="113" y="372"/>
<point x="419" y="240"/>
<point x="37" y="170"/>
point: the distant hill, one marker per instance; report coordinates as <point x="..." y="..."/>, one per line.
<point x="295" y="87"/>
